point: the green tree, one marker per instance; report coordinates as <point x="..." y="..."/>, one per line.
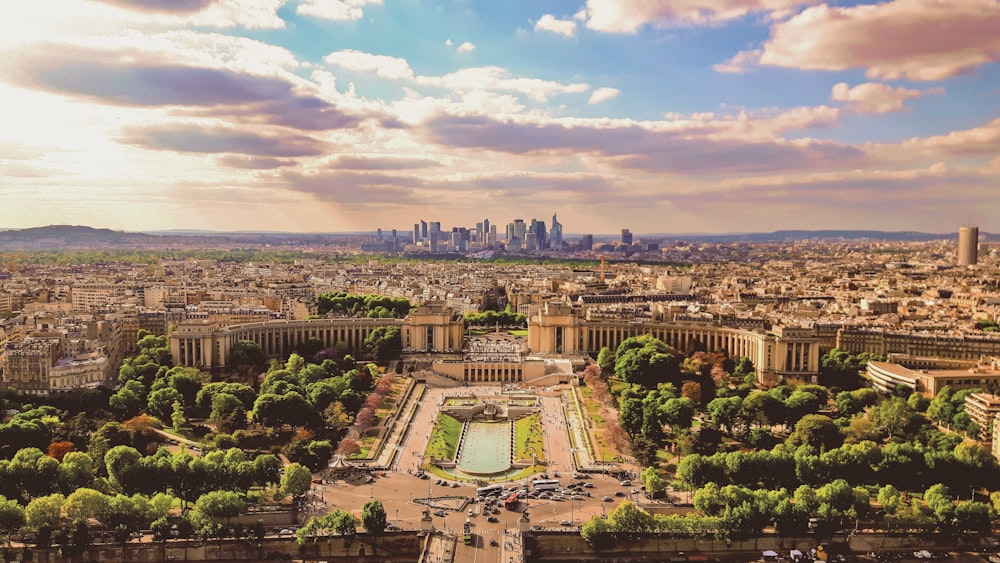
<point x="606" y="360"/>
<point x="177" y="418"/>
<point x="815" y="430"/>
<point x="11" y="517"/>
<point x="384" y="343"/>
<point x="653" y="482"/>
<point x="220" y="505"/>
<point x="161" y="402"/>
<point x="373" y="517"/>
<point x="296" y="480"/>
<point x="597" y="532"/>
<point x="85" y="503"/>
<point x="628" y="519"/>
<point x="343" y="522"/>
<point x="246" y="358"/>
<point x="44" y="511"/>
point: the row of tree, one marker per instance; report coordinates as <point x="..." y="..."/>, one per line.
<point x="907" y="466"/>
<point x="373" y="306"/>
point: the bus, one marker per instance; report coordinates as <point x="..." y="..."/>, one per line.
<point x="544" y="484"/>
<point x="489" y="490"/>
<point x="510" y="502"/>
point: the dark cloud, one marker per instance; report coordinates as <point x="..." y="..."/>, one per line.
<point x="351" y="188"/>
<point x="197" y="139"/>
<point x="170" y="6"/>
<point x="254" y="162"/>
<point x="850" y="192"/>
<point x="382" y="163"/>
<point x="308" y="113"/>
<point x="136" y="79"/>
<point x="362" y="188"/>
<point x="535" y="185"/>
<point x="638" y="148"/>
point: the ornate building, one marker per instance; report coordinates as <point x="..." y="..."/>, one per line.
<point x="430" y="328"/>
<point x="778" y="354"/>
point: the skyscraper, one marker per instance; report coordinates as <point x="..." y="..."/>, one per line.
<point x="626" y="237"/>
<point x="555" y="234"/>
<point x="968" y="246"/>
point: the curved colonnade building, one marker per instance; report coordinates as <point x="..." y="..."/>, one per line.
<point x="431" y="328"/>
<point x="559" y="329"/>
<point x="778" y="354"/>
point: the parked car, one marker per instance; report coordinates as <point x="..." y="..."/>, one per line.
<point x="565" y="523"/>
<point x="606" y="498"/>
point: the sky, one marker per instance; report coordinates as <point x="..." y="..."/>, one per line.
<point x="662" y="116"/>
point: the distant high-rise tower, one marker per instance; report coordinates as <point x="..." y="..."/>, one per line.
<point x="968" y="246"/>
<point x="626" y="236"/>
<point x="555" y="234"/>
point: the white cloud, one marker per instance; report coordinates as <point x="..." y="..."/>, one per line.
<point x="550" y="23"/>
<point x="392" y="68"/>
<point x="466" y="47"/>
<point x="616" y="16"/>
<point x="872" y="97"/>
<point x="447" y="42"/>
<point x="739" y="63"/>
<point x="494" y="78"/>
<point x="913" y="39"/>
<point x="463" y="82"/>
<point x="602" y="95"/>
<point x="337" y="10"/>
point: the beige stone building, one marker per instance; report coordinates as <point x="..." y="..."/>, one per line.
<point x="206" y="344"/>
<point x="782" y="353"/>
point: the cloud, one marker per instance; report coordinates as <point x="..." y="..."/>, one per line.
<point x="872" y="97"/>
<point x="170" y="6"/>
<point x="392" y="68"/>
<point x="138" y="78"/>
<point x="976" y="143"/>
<point x="466" y="47"/>
<point x="336" y="10"/>
<point x="602" y="95"/>
<point x="911" y="39"/>
<point x="637" y="147"/>
<point x="739" y="63"/>
<point x="354" y="189"/>
<point x="467" y="80"/>
<point x="498" y="79"/>
<point x="194" y="138"/>
<point x="254" y="162"/>
<point x="382" y="163"/>
<point x="550" y="23"/>
<point x="615" y="16"/>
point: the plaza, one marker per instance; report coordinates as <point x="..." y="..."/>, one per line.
<point x="402" y="482"/>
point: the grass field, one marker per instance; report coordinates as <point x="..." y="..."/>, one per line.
<point x="445" y="436"/>
<point x="528" y="437"/>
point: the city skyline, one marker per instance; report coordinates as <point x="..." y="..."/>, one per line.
<point x="666" y="116"/>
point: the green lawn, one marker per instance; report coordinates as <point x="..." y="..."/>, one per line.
<point x="523" y="333"/>
<point x="444" y="438"/>
<point x="528" y="437"/>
